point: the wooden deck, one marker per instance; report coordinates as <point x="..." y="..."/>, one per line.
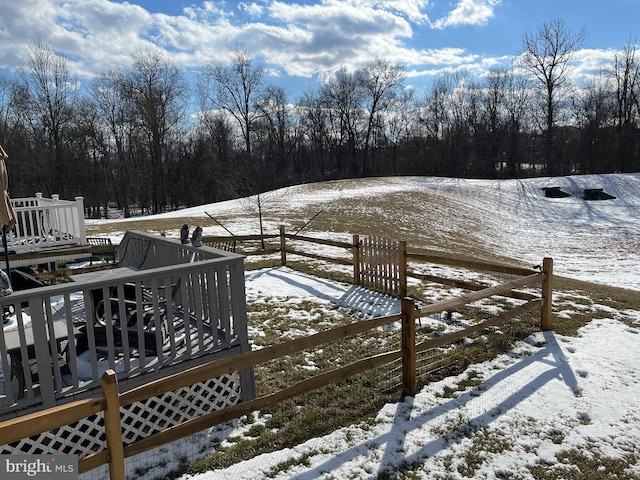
<point x="127" y="352"/>
<point x="167" y="307"/>
<point x="47" y="231"/>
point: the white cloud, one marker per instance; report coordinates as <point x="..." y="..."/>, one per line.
<point x="307" y="39"/>
<point x="413" y="10"/>
<point x="591" y="63"/>
<point x="595" y="60"/>
<point x="301" y="38"/>
<point x="332" y="34"/>
<point x="98" y="32"/>
<point x="469" y="12"/>
<point x="252" y="9"/>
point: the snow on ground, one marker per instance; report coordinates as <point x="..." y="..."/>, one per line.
<point x="550" y="394"/>
<point x="283" y="284"/>
<point x="597" y="241"/>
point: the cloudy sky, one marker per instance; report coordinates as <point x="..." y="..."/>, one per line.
<point x="301" y="41"/>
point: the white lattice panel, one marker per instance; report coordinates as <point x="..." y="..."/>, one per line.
<point x="139" y="420"/>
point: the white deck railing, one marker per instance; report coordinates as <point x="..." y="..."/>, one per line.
<point x="168" y="306"/>
<point x="47" y="222"/>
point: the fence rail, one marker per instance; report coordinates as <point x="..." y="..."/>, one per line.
<point x="111" y="401"/>
<point x="390" y="276"/>
<point x="115" y="452"/>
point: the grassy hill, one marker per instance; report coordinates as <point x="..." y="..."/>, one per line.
<point x="594" y="246"/>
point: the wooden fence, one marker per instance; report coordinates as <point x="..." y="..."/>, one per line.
<point x="381" y="265"/>
<point x="111" y="400"/>
<point x="378" y="263"/>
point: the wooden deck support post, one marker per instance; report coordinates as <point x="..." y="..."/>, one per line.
<point x="547" y="294"/>
<point x="409" y="383"/>
<point x="283" y="247"/>
<point x="112" y="425"/>
<point x="356" y="259"/>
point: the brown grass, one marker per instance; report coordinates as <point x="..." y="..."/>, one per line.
<point x="325" y="410"/>
<point x="432" y="220"/>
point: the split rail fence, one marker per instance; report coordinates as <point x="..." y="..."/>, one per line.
<point x="110" y="402"/>
<point x="378" y="263"/>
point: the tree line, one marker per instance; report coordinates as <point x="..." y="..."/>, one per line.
<point x="142" y="138"/>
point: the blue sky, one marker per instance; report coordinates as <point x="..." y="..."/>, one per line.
<point x="302" y="42"/>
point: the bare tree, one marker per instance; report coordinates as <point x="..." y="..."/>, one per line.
<point x="434" y="117"/>
<point x="343" y="97"/>
<point x="219" y="137"/>
<point x="400" y="123"/>
<point x="276" y="119"/>
<point x="6" y="108"/>
<point x="494" y="114"/>
<point x="14" y="136"/>
<point x="51" y="94"/>
<point x="159" y="93"/>
<point x="547" y="54"/>
<point x="464" y="104"/>
<point x="593" y="108"/>
<point x="517" y="101"/>
<point x="313" y="118"/>
<point x="506" y="102"/>
<point x="236" y="89"/>
<point x="626" y="75"/>
<point x="117" y="114"/>
<point x="381" y="82"/>
<point x="259" y="204"/>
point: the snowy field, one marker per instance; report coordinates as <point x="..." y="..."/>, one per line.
<point x="596" y="241"/>
<point x="550" y="394"/>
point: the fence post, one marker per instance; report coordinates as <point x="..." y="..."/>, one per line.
<point x="409" y="383"/>
<point x="356" y="260"/>
<point x="402" y="266"/>
<point x="547" y="293"/>
<point x="283" y="247"/>
<point x="112" y="425"/>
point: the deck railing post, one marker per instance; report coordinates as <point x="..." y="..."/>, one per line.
<point x="547" y="294"/>
<point x="409" y="383"/>
<point x="356" y="260"/>
<point x="283" y="247"/>
<point x="41" y="347"/>
<point x="112" y="425"/>
<point x="79" y="227"/>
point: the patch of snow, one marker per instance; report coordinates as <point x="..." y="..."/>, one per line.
<point x="596" y="241"/>
<point x="562" y="394"/>
<point x="550" y="394"/>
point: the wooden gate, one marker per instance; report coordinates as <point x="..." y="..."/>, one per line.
<point x="381" y="265"/>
